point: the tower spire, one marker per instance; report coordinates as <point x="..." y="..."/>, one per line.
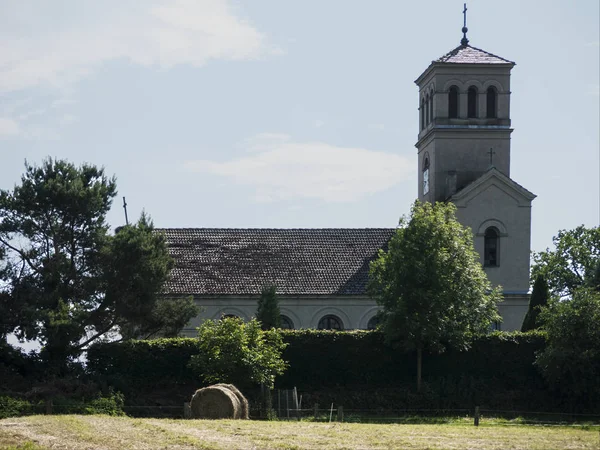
<point x="464" y="41"/>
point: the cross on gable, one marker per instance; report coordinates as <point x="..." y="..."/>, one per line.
<point x="491" y="153"/>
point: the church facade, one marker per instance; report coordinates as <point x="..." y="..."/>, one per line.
<point x="321" y="274"/>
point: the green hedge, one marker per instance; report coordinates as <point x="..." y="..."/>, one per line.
<point x="326" y="359"/>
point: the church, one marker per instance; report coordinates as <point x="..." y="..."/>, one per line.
<point x="321" y="275"/>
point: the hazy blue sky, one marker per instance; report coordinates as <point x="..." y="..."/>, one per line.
<point x="271" y="113"/>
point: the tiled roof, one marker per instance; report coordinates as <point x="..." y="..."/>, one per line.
<point x="230" y="261"/>
<point x="465" y="54"/>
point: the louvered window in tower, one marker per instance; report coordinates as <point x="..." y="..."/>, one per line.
<point x="453" y="103"/>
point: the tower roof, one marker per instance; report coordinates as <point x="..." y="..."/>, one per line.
<point x="466" y="54"/>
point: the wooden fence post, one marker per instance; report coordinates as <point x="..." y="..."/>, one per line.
<point x="476" y="416"/>
<point x="49" y="406"/>
<point x="187" y="410"/>
<point x="340" y="413"/>
<point x="316" y="411"/>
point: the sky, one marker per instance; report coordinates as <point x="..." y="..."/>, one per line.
<point x="286" y="114"/>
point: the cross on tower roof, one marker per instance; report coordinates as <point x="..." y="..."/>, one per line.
<point x="464" y="41"/>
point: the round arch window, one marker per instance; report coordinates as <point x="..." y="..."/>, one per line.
<point x="286" y="323"/>
<point x="373" y="322"/>
<point x="330" y="322"/>
<point x="229" y="316"/>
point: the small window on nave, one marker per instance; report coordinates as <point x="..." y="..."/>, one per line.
<point x="453" y="103"/>
<point x="330" y="322"/>
<point x="229" y="316"/>
<point x="373" y="322"/>
<point x="491" y="247"/>
<point x="492" y="101"/>
<point x="472" y="102"/>
<point x="286" y="323"/>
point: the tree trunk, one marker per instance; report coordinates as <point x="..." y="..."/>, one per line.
<point x="419" y="363"/>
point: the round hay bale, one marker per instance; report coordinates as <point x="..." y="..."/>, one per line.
<point x="243" y="402"/>
<point x="215" y="402"/>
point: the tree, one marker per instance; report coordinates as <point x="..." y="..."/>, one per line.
<point x="268" y="313"/>
<point x="575" y="257"/>
<point x="571" y="360"/>
<point x="69" y="281"/>
<point x="539" y="298"/>
<point x="431" y="285"/>
<point x="234" y="351"/>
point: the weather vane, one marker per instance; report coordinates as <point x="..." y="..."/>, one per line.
<point x="464" y="40"/>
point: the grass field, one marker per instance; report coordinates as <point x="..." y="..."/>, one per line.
<point x="103" y="432"/>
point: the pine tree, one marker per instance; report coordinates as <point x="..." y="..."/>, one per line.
<point x="539" y="298"/>
<point x="268" y="313"/>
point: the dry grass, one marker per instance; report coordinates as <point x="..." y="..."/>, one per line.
<point x="103" y="432"/>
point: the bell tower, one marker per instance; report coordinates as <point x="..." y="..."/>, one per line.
<point x="464" y="119"/>
<point x="464" y="158"/>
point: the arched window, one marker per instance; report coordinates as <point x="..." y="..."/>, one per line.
<point x="472" y="102"/>
<point x="373" y="322"/>
<point x="330" y="322"/>
<point x="427" y="109"/>
<point x="422" y="114"/>
<point x="431" y="108"/>
<point x="425" y="175"/>
<point x="490" y="247"/>
<point x="286" y="323"/>
<point x="492" y="97"/>
<point x="229" y="316"/>
<point x="453" y="102"/>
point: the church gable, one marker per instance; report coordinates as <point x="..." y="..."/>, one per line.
<point x="490" y="186"/>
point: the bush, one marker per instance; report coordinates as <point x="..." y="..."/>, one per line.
<point x="13" y="407"/>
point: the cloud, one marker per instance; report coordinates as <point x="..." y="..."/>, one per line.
<point x="71" y="42"/>
<point x="281" y="169"/>
<point x="377" y="126"/>
<point x="9" y="127"/>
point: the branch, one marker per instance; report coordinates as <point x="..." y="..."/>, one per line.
<point x="22" y="255"/>
<point x="97" y="335"/>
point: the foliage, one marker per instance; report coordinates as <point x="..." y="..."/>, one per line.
<point x="67" y="282"/>
<point x="14" y="407"/>
<point x="140" y="363"/>
<point x="111" y="405"/>
<point x="539" y="298"/>
<point x="571" y="360"/>
<point x="268" y="313"/>
<point x="234" y="351"/>
<point x="576" y="256"/>
<point x="431" y="285"/>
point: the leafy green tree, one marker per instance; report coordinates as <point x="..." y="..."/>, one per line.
<point x="238" y="352"/>
<point x="431" y="285"/>
<point x="571" y="360"/>
<point x="69" y="281"/>
<point x="575" y="257"/>
<point x="539" y="298"/>
<point x="268" y="313"/>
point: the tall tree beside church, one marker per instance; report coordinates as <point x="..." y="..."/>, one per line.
<point x="431" y="285"/>
<point x="574" y="259"/>
<point x="539" y="299"/>
<point x="73" y="281"/>
<point x="268" y="313"/>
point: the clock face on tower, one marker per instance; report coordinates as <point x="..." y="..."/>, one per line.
<point x="426" y="181"/>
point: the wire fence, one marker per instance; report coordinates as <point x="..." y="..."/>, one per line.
<point x="292" y="411"/>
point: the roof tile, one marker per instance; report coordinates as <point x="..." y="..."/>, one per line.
<point x="238" y="261"/>
<point x="465" y="54"/>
